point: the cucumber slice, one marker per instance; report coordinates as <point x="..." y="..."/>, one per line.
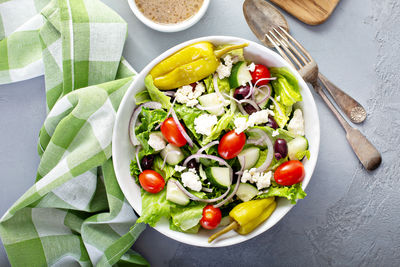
<point x="213" y="103"/>
<point x="246" y="192"/>
<point x="240" y="75"/>
<point x="173" y="153"/>
<point x="202" y="173"/>
<point x="296" y="145"/>
<point x="250" y="156"/>
<point x="261" y="96"/>
<point x="219" y="176"/>
<point x="174" y="194"/>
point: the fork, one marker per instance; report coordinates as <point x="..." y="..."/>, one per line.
<point x="294" y="53"/>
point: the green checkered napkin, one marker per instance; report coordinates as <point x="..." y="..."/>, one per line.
<point x="75" y="213"/>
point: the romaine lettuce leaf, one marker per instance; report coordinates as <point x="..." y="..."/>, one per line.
<point x="155" y="94"/>
<point x="193" y="230"/>
<point x="167" y="172"/>
<point x="292" y="193"/>
<point x="285" y="86"/>
<point x="154" y="207"/>
<point x="209" y="84"/>
<point x="188" y="115"/>
<point x="282" y="113"/>
<point x="149" y="120"/>
<point x="222" y="124"/>
<point x="142" y="97"/>
<point x="187" y="217"/>
<point x="223" y="85"/>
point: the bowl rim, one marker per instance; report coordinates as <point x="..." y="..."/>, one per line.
<point x="311" y="163"/>
<point x="176" y="27"/>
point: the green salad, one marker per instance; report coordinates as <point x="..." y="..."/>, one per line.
<point x="206" y="146"/>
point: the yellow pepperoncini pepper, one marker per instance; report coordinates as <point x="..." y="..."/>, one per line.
<point x="189" y="65"/>
<point x="247" y="216"/>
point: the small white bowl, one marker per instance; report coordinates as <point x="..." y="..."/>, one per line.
<point x="123" y="152"/>
<point x="176" y="27"/>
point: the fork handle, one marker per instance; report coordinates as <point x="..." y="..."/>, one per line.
<point x="368" y="155"/>
<point x="353" y="110"/>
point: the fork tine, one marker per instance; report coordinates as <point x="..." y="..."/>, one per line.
<point x="297" y="43"/>
<point x="280" y="50"/>
<point x="293" y="58"/>
<point x="292" y="48"/>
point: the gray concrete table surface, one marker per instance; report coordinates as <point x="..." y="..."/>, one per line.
<point x="350" y="216"/>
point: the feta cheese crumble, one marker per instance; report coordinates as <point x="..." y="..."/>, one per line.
<point x="204" y="123"/>
<point x="278" y="98"/>
<point x="259" y="117"/>
<point x="186" y="94"/>
<point x="191" y="180"/>
<point x="251" y="67"/>
<point x="296" y="124"/>
<point x="275" y="133"/>
<point x="224" y="70"/>
<point x="178" y="168"/>
<point x="156" y="141"/>
<point x="240" y="124"/>
<point x="261" y="179"/>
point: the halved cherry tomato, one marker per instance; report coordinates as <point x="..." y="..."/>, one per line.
<point x="151" y="181"/>
<point x="260" y="72"/>
<point x="211" y="217"/>
<point x="231" y="144"/>
<point x="171" y="132"/>
<point x="289" y="173"/>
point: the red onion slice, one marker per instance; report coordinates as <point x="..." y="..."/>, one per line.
<point x="208" y="190"/>
<point x="266" y="95"/>
<point x="195" y="198"/>
<point x="240" y="102"/>
<point x="251" y="91"/>
<point x="196" y="156"/>
<point x="169" y="93"/>
<point x="181" y="129"/>
<point x="134" y="117"/>
<point x="138" y="148"/>
<point x="270" y="146"/>
<point x="251" y="102"/>
<point x="207" y="146"/>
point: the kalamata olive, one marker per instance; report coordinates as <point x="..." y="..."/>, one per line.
<point x="147" y="162"/>
<point x="241" y="92"/>
<point x="272" y="123"/>
<point x="249" y="109"/>
<point x="193" y="164"/>
<point x="281" y="148"/>
<point x="278" y="156"/>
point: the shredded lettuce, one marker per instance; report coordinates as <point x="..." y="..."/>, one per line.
<point x="223" y="85"/>
<point x="292" y="193"/>
<point x="155" y="94"/>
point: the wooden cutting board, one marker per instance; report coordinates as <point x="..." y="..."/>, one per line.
<point x="312" y="12"/>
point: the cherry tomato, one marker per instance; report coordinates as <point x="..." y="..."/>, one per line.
<point x="171" y="132"/>
<point x="211" y="217"/>
<point x="260" y="72"/>
<point x="151" y="181"/>
<point x="289" y="173"/>
<point x="231" y="144"/>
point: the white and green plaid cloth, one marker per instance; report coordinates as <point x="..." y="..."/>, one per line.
<point x="75" y="213"/>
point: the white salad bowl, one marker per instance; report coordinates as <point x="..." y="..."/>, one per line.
<point x="123" y="152"/>
<point x="175" y="27"/>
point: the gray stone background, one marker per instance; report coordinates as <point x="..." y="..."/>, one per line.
<point x="350" y="217"/>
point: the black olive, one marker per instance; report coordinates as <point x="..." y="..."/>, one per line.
<point x="193" y="164"/>
<point x="272" y="123"/>
<point x="241" y="92"/>
<point x="147" y="162"/>
<point x="249" y="109"/>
